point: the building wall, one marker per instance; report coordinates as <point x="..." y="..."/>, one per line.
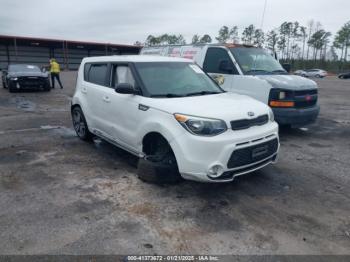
<point x="40" y="56"/>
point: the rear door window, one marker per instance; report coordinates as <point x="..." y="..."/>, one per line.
<point x="96" y="73"/>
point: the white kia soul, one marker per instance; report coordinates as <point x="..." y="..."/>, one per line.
<point x="173" y="116"/>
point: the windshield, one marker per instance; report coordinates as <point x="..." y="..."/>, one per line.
<point x="174" y="79"/>
<point x="255" y="61"/>
<point x="24" y="68"/>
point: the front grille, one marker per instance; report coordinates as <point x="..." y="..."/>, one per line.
<point x="305" y="98"/>
<point x="252" y="154"/>
<point x="31" y="81"/>
<point x="305" y="92"/>
<point x="246" y="123"/>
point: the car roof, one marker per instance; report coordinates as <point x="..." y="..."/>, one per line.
<point x="135" y="58"/>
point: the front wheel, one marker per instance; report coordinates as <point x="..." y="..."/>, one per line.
<point x="159" y="167"/>
<point x="80" y="125"/>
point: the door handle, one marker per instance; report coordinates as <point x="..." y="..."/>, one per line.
<point x="84" y="90"/>
<point x="106" y="99"/>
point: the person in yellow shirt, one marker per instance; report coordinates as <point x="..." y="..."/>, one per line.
<point x="55" y="72"/>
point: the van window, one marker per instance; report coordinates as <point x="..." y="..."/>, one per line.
<point x="213" y="59"/>
<point x="122" y="74"/>
<point x="97" y="74"/>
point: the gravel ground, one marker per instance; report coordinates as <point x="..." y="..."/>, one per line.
<point x="59" y="195"/>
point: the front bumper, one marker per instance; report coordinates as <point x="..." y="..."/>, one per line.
<point x="24" y="83"/>
<point x="296" y="117"/>
<point x="195" y="155"/>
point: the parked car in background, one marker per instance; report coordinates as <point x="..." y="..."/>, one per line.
<point x="255" y="72"/>
<point x="169" y="113"/>
<point x="23" y="77"/>
<point x="300" y="73"/>
<point x="344" y="75"/>
<point x="316" y="73"/>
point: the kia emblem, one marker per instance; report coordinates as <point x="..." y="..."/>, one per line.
<point x="250" y="113"/>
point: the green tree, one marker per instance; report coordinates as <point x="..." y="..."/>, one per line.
<point x="223" y="35"/>
<point x="234" y="34"/>
<point x="205" y="39"/>
<point x="318" y="40"/>
<point x="195" y="39"/>
<point x="342" y="40"/>
<point x="272" y="40"/>
<point x="258" y="38"/>
<point x="152" y="40"/>
<point x="303" y="35"/>
<point x="248" y="34"/>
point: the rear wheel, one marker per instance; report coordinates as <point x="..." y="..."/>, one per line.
<point x="318" y="76"/>
<point x="80" y="125"/>
<point x="159" y="166"/>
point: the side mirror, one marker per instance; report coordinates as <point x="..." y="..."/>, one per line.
<point x="125" y="88"/>
<point x="226" y="66"/>
<point x="287" y="67"/>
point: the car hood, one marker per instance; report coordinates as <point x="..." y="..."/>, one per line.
<point x="225" y="106"/>
<point x="19" y="74"/>
<point x="289" y="82"/>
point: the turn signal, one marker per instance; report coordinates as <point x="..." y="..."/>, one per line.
<point x="281" y="104"/>
<point x="181" y="118"/>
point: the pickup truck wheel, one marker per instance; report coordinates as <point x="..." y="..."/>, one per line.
<point x="160" y="167"/>
<point x="80" y="125"/>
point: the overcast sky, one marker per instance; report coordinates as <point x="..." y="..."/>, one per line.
<point x="126" y="21"/>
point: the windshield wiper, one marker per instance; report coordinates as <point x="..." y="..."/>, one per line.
<point x="257" y="70"/>
<point x="166" y="95"/>
<point x="203" y="93"/>
<point x="279" y="71"/>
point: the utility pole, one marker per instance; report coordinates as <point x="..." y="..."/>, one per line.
<point x="263" y="15"/>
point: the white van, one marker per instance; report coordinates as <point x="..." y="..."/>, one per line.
<point x="255" y="72"/>
<point x="174" y="117"/>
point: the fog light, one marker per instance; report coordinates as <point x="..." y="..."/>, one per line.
<point x="18" y="86"/>
<point x="215" y="171"/>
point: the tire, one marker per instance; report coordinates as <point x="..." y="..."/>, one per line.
<point x="80" y="125"/>
<point x="160" y="167"/>
<point x="318" y="76"/>
<point x="12" y="89"/>
<point x="47" y="88"/>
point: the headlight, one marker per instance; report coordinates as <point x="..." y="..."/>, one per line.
<point x="282" y="95"/>
<point x="14" y="78"/>
<point x="201" y="126"/>
<point x="271" y="115"/>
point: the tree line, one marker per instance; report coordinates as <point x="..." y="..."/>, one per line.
<point x="291" y="40"/>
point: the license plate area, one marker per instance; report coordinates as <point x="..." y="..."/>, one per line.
<point x="260" y="151"/>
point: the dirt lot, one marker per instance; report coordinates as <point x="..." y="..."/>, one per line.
<point x="59" y="195"/>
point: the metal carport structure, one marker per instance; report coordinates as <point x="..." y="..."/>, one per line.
<point x="38" y="51"/>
